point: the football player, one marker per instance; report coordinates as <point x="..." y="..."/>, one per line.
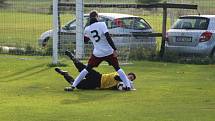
<point x="94" y="79"/>
<point x="104" y="50"/>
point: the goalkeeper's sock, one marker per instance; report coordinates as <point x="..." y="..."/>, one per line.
<point x="124" y="78"/>
<point x="71" y="55"/>
<point x="78" y="79"/>
<point x="68" y="78"/>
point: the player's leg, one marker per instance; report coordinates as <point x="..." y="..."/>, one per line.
<point x="71" y="55"/>
<point x="79" y="78"/>
<point x="94" y="78"/>
<point x="66" y="75"/>
<point x="93" y="62"/>
<point x="91" y="82"/>
<point x="88" y="84"/>
<point x="79" y="65"/>
<point x="84" y="84"/>
<point x="114" y="62"/>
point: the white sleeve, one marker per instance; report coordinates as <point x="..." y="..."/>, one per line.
<point x="86" y="33"/>
<point x="104" y="27"/>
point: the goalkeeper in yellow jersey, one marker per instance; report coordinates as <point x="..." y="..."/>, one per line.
<point x="94" y="79"/>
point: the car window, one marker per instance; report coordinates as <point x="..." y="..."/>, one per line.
<point x="107" y="22"/>
<point x="69" y="25"/>
<point x="87" y="20"/>
<point x="131" y="23"/>
<point x="198" y="23"/>
<point x="128" y="23"/>
<point x="72" y="23"/>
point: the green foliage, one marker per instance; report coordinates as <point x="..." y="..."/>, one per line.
<point x="185" y="59"/>
<point x="28" y="50"/>
<point x="57" y="65"/>
<point x="48" y="50"/>
<point x="1" y="49"/>
<point x="16" y="51"/>
<point x="141" y="53"/>
<point x="148" y="1"/>
<point x="2" y="1"/>
<point x="3" y="4"/>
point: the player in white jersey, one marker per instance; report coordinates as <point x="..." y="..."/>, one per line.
<point x="104" y="50"/>
<point x="95" y="32"/>
<point x="94" y="79"/>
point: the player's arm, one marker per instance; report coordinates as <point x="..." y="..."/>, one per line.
<point x="110" y="41"/>
<point x="107" y="35"/>
<point x="86" y="39"/>
<point x="117" y="78"/>
<point x="86" y="36"/>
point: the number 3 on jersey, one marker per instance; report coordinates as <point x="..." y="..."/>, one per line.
<point x="96" y="35"/>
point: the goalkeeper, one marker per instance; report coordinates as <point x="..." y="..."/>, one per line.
<point x="94" y="80"/>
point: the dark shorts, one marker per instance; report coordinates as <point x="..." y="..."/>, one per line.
<point x="91" y="81"/>
<point x="95" y="61"/>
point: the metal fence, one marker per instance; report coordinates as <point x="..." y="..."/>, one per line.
<point x="24" y="24"/>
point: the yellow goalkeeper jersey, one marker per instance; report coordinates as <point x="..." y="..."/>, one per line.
<point x="108" y="80"/>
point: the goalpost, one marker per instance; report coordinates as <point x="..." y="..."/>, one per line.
<point x="79" y="30"/>
<point x="55" y="32"/>
<point x="81" y="49"/>
<point x="136" y="46"/>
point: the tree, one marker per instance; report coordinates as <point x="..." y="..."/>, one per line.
<point x="148" y="1"/>
<point x="2" y="3"/>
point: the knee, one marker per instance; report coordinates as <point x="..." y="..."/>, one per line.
<point x="89" y="68"/>
<point x="116" y="68"/>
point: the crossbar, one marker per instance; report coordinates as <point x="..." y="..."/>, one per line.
<point x="156" y="5"/>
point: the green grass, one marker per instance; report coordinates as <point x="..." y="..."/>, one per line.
<point x="30" y="3"/>
<point x="20" y="29"/>
<point x="32" y="91"/>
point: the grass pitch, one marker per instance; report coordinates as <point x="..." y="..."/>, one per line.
<point x="32" y="91"/>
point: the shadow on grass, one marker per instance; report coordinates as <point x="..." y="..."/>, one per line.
<point x="17" y="76"/>
<point x="21" y="72"/>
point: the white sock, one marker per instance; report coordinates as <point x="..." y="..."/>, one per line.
<point x="124" y="78"/>
<point x="78" y="79"/>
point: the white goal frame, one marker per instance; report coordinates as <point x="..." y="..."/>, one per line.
<point x="79" y="30"/>
<point x="55" y="32"/>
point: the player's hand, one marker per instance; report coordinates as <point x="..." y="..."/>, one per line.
<point x="115" y="53"/>
<point x="126" y="88"/>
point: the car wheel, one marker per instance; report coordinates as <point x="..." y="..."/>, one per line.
<point x="44" y="43"/>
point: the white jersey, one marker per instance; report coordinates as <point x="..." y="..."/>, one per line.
<point x="96" y="33"/>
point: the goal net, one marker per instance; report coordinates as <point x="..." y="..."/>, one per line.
<point x="26" y="26"/>
<point x="125" y="26"/>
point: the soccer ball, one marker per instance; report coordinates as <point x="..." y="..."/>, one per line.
<point x="120" y="86"/>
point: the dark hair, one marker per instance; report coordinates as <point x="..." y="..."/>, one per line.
<point x="131" y="73"/>
<point x="93" y="14"/>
